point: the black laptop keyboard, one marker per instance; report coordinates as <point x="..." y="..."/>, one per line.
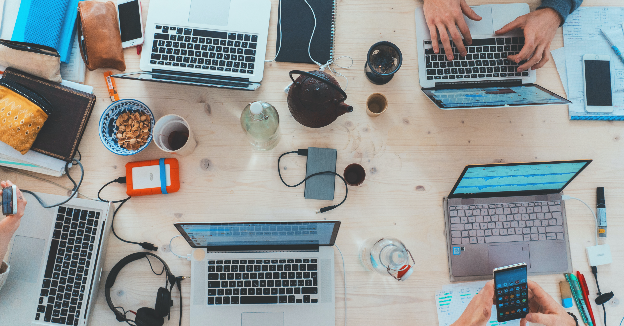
<point x="204" y="49"/>
<point x="262" y="281"/>
<point x="486" y="58"/>
<point x="68" y="266"/>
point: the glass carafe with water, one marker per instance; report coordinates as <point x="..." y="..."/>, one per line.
<point x="387" y="256"/>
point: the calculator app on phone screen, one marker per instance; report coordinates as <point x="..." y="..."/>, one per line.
<point x="512" y="300"/>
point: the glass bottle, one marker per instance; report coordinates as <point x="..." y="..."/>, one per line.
<point x="260" y="121"/>
<point x="386" y="256"/>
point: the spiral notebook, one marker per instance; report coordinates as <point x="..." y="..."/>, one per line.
<point x="295" y="25"/>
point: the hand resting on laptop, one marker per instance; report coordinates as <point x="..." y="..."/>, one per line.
<point x="446" y="17"/>
<point x="543" y="308"/>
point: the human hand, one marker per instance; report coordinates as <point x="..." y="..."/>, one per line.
<point x="479" y="309"/>
<point x="543" y="309"/>
<point x="10" y="223"/>
<point x="446" y="16"/>
<point x="539" y="29"/>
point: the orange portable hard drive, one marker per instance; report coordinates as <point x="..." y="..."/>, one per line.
<point x="153" y="177"/>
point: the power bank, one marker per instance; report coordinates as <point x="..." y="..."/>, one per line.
<point x="9" y="200"/>
<point x="321" y="186"/>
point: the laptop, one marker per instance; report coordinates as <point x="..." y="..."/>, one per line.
<point x="56" y="259"/>
<point x="217" y="43"/>
<point x="484" y="77"/>
<point x="262" y="273"/>
<point x="505" y="214"/>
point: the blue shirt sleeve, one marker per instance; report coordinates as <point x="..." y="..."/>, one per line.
<point x="563" y="7"/>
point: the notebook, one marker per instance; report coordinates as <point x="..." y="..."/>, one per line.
<point x="61" y="134"/>
<point x="295" y="25"/>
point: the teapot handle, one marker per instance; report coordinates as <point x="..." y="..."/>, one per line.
<point x="318" y="78"/>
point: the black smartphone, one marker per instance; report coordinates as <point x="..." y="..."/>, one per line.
<point x="512" y="299"/>
<point x="9" y="200"/>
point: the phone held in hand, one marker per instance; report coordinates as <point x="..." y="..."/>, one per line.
<point x="512" y="300"/>
<point x="9" y="200"/>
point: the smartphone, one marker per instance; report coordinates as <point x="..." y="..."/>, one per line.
<point x="9" y="200"/>
<point x="512" y="300"/>
<point x="130" y="22"/>
<point x="597" y="78"/>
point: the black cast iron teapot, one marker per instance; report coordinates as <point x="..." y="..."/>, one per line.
<point x="315" y="98"/>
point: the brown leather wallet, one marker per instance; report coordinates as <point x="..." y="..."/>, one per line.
<point x="99" y="37"/>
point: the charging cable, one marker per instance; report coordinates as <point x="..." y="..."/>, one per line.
<point x="304" y="152"/>
<point x="344" y="273"/>
<point x="188" y="257"/>
<point x="566" y="197"/>
<point x="602" y="298"/>
<point x="74" y="190"/>
<point x="122" y="180"/>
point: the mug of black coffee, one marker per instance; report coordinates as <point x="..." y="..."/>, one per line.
<point x="172" y="134"/>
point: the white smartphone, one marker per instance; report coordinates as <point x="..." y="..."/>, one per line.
<point x="597" y="78"/>
<point x="130" y="22"/>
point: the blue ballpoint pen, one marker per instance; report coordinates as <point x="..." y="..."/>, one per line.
<point x="615" y="48"/>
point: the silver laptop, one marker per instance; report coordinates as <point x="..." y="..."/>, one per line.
<point x="484" y="77"/>
<point x="218" y="43"/>
<point x="56" y="262"/>
<point x="262" y="273"/>
<point x="504" y="214"/>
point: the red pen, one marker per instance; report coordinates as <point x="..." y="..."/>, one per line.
<point x="585" y="291"/>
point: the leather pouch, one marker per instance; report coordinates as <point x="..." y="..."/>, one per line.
<point x="38" y="60"/>
<point x="98" y="32"/>
<point x="22" y="115"/>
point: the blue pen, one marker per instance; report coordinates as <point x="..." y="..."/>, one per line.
<point x="615" y="48"/>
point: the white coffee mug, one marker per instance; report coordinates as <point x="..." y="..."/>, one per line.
<point x="164" y="129"/>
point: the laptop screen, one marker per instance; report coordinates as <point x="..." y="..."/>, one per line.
<point x="252" y="234"/>
<point x="477" y="97"/>
<point x="516" y="179"/>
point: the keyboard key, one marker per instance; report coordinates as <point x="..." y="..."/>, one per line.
<point x="258" y="299"/>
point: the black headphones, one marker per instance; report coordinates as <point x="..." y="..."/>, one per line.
<point x="145" y="316"/>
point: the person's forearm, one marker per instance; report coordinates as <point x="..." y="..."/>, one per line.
<point x="4" y="246"/>
<point x="562" y="7"/>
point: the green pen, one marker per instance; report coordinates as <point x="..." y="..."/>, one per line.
<point x="578" y="297"/>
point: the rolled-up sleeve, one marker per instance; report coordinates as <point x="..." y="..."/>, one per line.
<point x="563" y="7"/>
<point x="4" y="271"/>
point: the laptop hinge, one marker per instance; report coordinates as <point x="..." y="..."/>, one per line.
<point x="263" y="248"/>
<point x="477" y="83"/>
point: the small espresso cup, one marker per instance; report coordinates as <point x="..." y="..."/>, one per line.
<point x="354" y="174"/>
<point x="376" y="104"/>
<point x="173" y="134"/>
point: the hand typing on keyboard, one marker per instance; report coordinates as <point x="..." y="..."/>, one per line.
<point x="443" y="15"/>
<point x="10" y="223"/>
<point x="539" y="29"/>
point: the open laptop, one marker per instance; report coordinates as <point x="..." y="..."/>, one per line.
<point x="56" y="260"/>
<point x="262" y="273"/>
<point x="485" y="77"/>
<point x="504" y="214"/>
<point x="218" y="43"/>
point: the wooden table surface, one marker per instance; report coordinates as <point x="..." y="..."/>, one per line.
<point x="413" y="155"/>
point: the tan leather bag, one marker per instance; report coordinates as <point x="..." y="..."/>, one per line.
<point x="99" y="37"/>
<point x="39" y="60"/>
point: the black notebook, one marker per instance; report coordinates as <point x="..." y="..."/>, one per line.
<point x="297" y="23"/>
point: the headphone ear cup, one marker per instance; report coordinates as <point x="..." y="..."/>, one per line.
<point x="148" y="317"/>
<point x="163" y="302"/>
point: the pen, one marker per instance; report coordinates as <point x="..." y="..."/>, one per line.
<point x="615" y="48"/>
<point x="585" y="290"/>
<point x="580" y="302"/>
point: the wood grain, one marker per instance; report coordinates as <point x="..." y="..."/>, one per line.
<point x="412" y="154"/>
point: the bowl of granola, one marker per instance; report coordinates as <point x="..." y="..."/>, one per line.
<point x="126" y="127"/>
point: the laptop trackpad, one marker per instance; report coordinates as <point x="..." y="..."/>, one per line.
<point x="210" y="12"/>
<point x="508" y="254"/>
<point x="262" y="319"/>
<point x="26" y="256"/>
